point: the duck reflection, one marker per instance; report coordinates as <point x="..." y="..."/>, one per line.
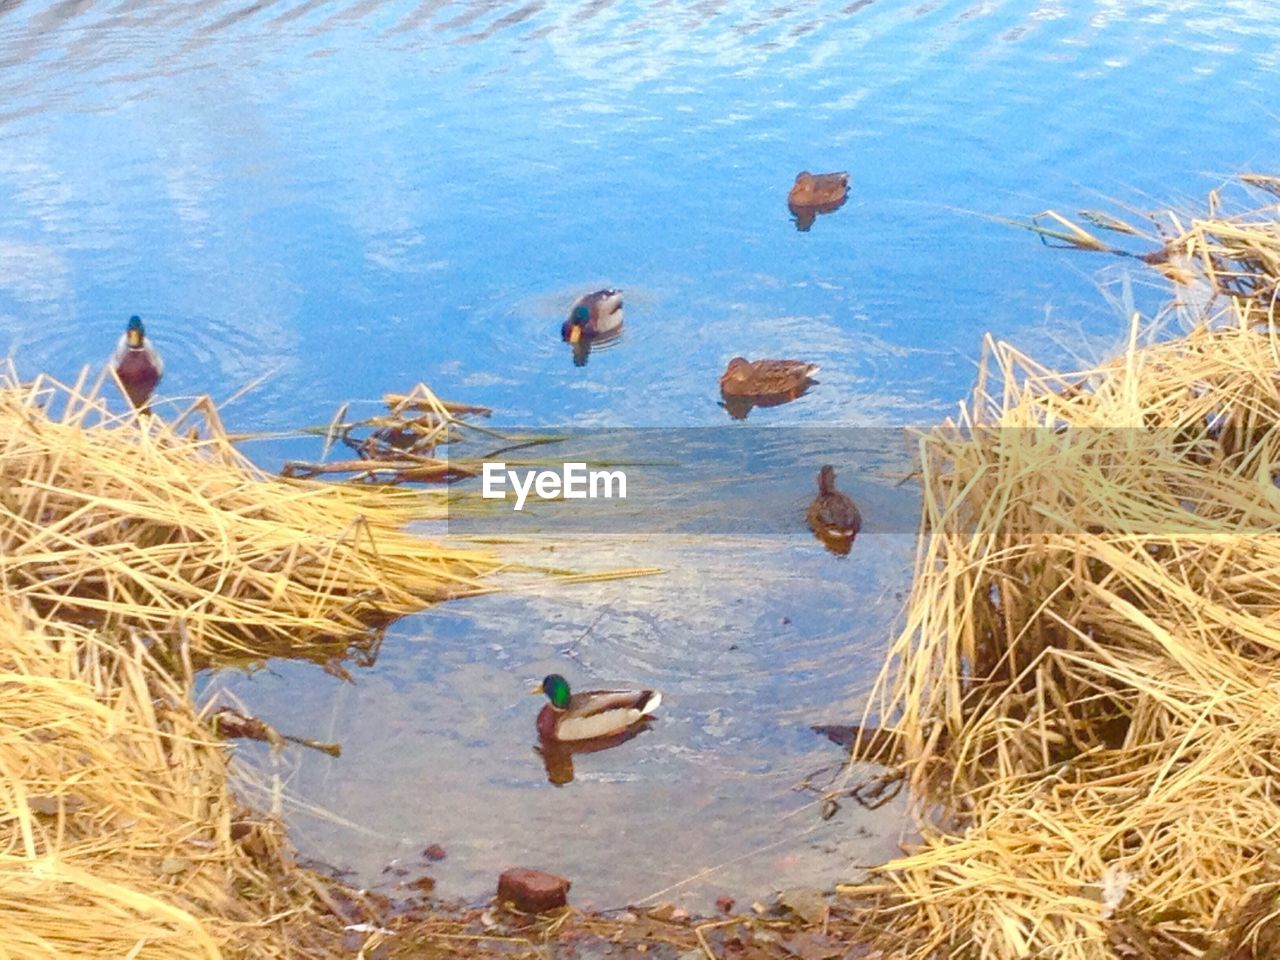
<point x="582" y="349"/>
<point x="739" y="407"/>
<point x="557" y="756"/>
<point x="837" y="542"/>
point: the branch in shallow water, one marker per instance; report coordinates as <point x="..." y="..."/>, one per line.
<point x="238" y="726"/>
<point x="402" y="470"/>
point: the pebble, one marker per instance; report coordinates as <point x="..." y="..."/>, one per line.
<point x="532" y="891"/>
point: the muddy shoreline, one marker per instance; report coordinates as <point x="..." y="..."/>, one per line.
<point x="403" y="923"/>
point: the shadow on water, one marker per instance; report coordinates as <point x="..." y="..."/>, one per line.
<point x="804" y="215"/>
<point x="557" y="758"/>
<point x="738" y="407"/>
<point x="583" y="349"/>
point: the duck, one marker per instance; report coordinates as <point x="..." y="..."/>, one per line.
<point x="592" y="714"/>
<point x="137" y="363"/>
<point x="815" y="193"/>
<point x="818" y="190"/>
<point x="766" y="378"/>
<point x="833" y="515"/>
<point x="593" y="316"/>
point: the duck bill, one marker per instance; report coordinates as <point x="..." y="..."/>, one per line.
<point x="536" y="691"/>
<point x="135" y="339"/>
<point x="575" y="334"/>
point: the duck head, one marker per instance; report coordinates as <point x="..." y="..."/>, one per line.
<point x="736" y="370"/>
<point x="575" y="327"/>
<point x="827" y="479"/>
<point x="133" y="333"/>
<point x="556" y="688"/>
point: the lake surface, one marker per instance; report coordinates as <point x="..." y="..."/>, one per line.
<point x="347" y="198"/>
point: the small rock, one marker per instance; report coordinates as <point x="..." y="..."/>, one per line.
<point x="805" y="902"/>
<point x="532" y="891"/>
<point x="43" y="806"/>
<point x="811" y="945"/>
<point x="423" y="884"/>
<point x="662" y="911"/>
<point x="724" y="904"/>
<point x="434" y="852"/>
<point x="173" y="865"/>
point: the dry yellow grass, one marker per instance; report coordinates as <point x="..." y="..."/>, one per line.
<point x="116" y="827"/>
<point x="120" y="522"/>
<point x="133" y="550"/>
<point x="1086" y="693"/>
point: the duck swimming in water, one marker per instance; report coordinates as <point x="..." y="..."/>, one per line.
<point x="137" y="363"/>
<point x="815" y="193"/>
<point x="765" y="378"/>
<point x="818" y="189"/>
<point x="746" y="384"/>
<point x="833" y="516"/>
<point x="593" y="316"/>
<point x="592" y="714"/>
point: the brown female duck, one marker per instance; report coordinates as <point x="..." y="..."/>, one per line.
<point x="766" y="378"/>
<point x="815" y="193"/>
<point x="833" y="515"/>
<point x="818" y="189"/>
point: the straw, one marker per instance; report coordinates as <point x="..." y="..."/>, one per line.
<point x="1085" y="697"/>
<point x="127" y="522"/>
<point x="118" y="837"/>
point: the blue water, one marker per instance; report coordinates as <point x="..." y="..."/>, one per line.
<point x="347" y="199"/>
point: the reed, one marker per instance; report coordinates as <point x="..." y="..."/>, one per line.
<point x="133" y="551"/>
<point x="125" y="522"/>
<point x="1085" y="697"/>
<point x="118" y="837"/>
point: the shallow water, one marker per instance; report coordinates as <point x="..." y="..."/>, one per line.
<point x="439" y="745"/>
<point x="349" y="198"/>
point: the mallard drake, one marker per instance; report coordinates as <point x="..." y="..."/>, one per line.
<point x="818" y="189"/>
<point x="766" y="378"/>
<point x="833" y="514"/>
<point x="591" y="714"/>
<point x="593" y="316"/>
<point x="137" y="363"/>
